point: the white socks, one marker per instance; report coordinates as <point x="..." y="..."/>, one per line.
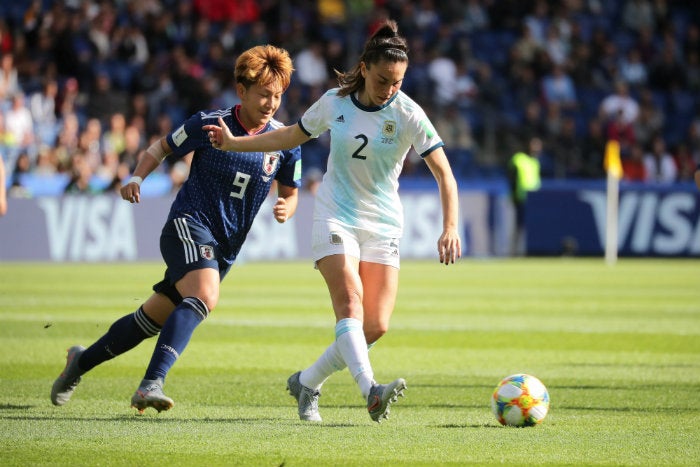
<point x="349" y="348"/>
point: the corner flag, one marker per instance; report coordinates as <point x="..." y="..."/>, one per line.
<point x="612" y="161"/>
<point x="613" y="167"/>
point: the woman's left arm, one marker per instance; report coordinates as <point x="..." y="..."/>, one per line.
<point x="449" y="243"/>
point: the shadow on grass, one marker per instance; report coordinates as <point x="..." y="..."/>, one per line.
<point x="15" y="407"/>
<point x="462" y="426"/>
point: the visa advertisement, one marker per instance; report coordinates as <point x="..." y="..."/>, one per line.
<point x="652" y="220"/>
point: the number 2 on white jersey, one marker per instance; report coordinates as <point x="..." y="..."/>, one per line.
<point x="356" y="154"/>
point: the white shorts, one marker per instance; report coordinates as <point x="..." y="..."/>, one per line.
<point x="329" y="238"/>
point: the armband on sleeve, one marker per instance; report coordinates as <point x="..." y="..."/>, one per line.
<point x="155" y="150"/>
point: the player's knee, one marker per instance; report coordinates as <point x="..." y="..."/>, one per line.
<point x="207" y="293"/>
<point x="348" y="305"/>
<point x="210" y="300"/>
<point x="374" y="331"/>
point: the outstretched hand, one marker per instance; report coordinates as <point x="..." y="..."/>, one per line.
<point x="220" y="135"/>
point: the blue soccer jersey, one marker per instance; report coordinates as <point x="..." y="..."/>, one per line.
<point x="225" y="190"/>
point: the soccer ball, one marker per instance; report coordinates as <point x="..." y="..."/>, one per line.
<point x="520" y="400"/>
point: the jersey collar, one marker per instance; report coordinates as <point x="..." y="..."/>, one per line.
<point x="373" y="108"/>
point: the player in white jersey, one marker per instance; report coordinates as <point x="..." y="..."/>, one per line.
<point x="358" y="216"/>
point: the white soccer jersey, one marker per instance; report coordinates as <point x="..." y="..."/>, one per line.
<point x="368" y="148"/>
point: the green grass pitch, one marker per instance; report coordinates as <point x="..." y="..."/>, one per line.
<point x="618" y="348"/>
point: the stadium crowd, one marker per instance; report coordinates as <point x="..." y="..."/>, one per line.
<point x="85" y="85"/>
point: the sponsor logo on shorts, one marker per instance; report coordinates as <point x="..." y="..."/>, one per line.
<point x="394" y="246"/>
<point x="335" y="239"/>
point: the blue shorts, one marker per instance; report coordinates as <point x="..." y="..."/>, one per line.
<point x="186" y="245"/>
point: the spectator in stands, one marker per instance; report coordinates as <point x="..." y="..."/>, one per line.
<point x="68" y="142"/>
<point x="524" y="51"/>
<point x="650" y="120"/>
<point x="3" y="190"/>
<point x="133" y="144"/>
<point x="638" y="14"/>
<point x="566" y="150"/>
<point x="70" y="100"/>
<point x="659" y="164"/>
<point x="23" y="166"/>
<point x="456" y="132"/>
<point x="667" y="72"/>
<point x="81" y="177"/>
<point x="556" y="47"/>
<point x="9" y="81"/>
<point x="104" y="99"/>
<point x="558" y="88"/>
<point x="47" y="163"/>
<point x="8" y="146"/>
<point x="475" y="17"/>
<point x="620" y="130"/>
<point x="632" y="70"/>
<point x="538" y="21"/>
<point x="18" y="121"/>
<point x="633" y="167"/>
<point x="593" y="149"/>
<point x="311" y="67"/>
<point x="620" y="105"/>
<point x="685" y="162"/>
<point x="90" y="143"/>
<point x="42" y="105"/>
<point x="114" y="137"/>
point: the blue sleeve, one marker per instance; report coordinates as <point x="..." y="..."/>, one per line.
<point x="289" y="173"/>
<point x="187" y="137"/>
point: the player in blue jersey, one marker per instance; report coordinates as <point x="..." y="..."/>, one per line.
<point x="207" y="225"/>
<point x="358" y="218"/>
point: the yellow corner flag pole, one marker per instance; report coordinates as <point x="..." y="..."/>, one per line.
<point x="613" y="167"/>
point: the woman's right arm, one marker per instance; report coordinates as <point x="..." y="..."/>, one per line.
<point x="287" y="137"/>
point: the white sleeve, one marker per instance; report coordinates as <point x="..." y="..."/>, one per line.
<point x="315" y="119"/>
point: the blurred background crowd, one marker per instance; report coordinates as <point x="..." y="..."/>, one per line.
<point x="85" y="85"/>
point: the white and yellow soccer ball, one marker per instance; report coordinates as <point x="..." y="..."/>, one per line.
<point x="520" y="400"/>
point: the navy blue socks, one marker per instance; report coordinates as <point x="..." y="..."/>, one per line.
<point x="124" y="334"/>
<point x="175" y="336"/>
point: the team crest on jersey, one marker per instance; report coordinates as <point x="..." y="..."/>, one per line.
<point x="206" y="251"/>
<point x="270" y="161"/>
<point x="389" y="129"/>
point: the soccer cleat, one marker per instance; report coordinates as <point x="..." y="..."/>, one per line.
<point x="381" y="396"/>
<point x="307" y="398"/>
<point x="65" y="384"/>
<point x="150" y="394"/>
